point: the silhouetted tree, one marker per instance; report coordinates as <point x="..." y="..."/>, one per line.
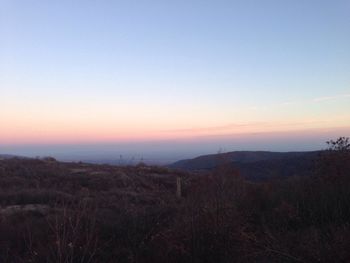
<point x="335" y="161"/>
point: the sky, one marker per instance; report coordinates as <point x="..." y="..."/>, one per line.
<point x="171" y="79"/>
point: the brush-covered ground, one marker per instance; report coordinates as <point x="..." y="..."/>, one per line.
<point x="76" y="212"/>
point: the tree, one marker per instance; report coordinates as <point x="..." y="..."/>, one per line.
<point x="342" y="144"/>
<point x="335" y="161"/>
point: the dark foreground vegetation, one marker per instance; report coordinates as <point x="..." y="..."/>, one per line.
<point x="75" y="212"/>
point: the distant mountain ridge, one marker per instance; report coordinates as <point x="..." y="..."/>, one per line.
<point x="9" y="156"/>
<point x="255" y="165"/>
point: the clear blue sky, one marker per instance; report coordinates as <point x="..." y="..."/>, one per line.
<point x="126" y="71"/>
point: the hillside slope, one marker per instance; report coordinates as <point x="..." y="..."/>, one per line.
<point x="256" y="165"/>
<point x="75" y="212"/>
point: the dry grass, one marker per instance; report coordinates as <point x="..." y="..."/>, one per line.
<point x="70" y="212"/>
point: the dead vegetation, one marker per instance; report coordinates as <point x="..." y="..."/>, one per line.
<point x="75" y="212"/>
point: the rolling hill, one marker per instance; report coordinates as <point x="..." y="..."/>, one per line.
<point x="255" y="165"/>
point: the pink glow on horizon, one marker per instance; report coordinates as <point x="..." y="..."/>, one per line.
<point x="55" y="136"/>
<point x="36" y="126"/>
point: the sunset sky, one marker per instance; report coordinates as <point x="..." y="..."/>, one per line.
<point x="172" y="76"/>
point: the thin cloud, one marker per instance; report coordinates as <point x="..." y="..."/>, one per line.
<point x="287" y="103"/>
<point x="239" y="126"/>
<point x="219" y="128"/>
<point x="316" y="100"/>
<point x="327" y="98"/>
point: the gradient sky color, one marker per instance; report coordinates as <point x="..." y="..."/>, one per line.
<point x="202" y="74"/>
